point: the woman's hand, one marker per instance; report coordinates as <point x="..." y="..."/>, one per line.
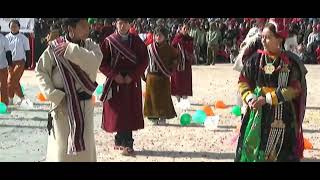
<point x="258" y="103"/>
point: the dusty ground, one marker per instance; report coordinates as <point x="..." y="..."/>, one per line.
<point x="23" y="131"/>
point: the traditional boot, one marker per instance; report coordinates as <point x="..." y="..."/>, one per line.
<point x="118" y="142"/>
<point x="128" y="149"/>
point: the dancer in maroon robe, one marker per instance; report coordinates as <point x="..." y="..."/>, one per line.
<point x="125" y="59"/>
<point x="181" y="79"/>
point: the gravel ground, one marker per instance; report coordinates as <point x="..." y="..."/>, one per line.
<point x="24" y="131"/>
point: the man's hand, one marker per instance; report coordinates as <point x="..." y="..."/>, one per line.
<point x="127" y="79"/>
<point x="119" y="79"/>
<point x="61" y="49"/>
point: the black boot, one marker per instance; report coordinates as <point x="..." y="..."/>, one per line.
<point x="178" y="98"/>
<point x="128" y="150"/>
<point x="154" y="120"/>
<point x="119" y="141"/>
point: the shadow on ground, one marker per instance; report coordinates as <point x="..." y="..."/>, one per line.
<point x="177" y="154"/>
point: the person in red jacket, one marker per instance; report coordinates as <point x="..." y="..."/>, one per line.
<point x="149" y="38"/>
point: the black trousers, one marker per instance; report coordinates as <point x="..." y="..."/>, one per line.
<point x="124" y="138"/>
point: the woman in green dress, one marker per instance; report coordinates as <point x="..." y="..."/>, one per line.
<point x="272" y="84"/>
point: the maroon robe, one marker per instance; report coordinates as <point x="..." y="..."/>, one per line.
<point x="123" y="112"/>
<point x="181" y="81"/>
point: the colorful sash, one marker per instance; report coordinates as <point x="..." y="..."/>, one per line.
<point x="155" y="58"/>
<point x="251" y="150"/>
<point x="115" y="41"/>
<point x="116" y="48"/>
<point x="182" y="62"/>
<point x="184" y="56"/>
